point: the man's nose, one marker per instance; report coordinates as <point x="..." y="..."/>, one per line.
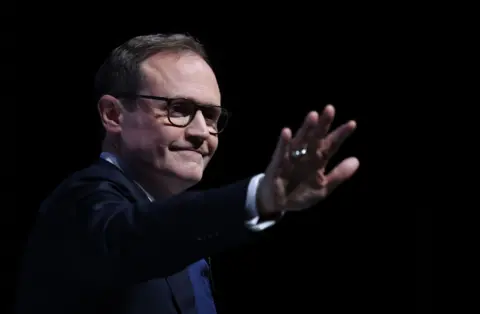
<point x="198" y="127"/>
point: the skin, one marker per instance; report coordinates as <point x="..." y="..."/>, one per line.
<point x="167" y="160"/>
<point x="163" y="158"/>
<point x="292" y="184"/>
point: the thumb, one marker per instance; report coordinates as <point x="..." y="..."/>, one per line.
<point x="341" y="173"/>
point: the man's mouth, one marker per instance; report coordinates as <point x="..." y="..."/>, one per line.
<point x="190" y="151"/>
<point x="191" y="154"/>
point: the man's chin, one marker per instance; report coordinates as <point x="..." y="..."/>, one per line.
<point x="192" y="177"/>
<point x="180" y="182"/>
<point x="180" y="177"/>
<point x="190" y="174"/>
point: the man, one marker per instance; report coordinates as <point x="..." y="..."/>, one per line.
<point x="123" y="236"/>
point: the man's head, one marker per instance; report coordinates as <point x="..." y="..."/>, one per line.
<point x="151" y="88"/>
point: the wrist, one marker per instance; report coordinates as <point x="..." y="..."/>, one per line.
<point x="263" y="210"/>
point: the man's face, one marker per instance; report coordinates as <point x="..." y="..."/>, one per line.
<point x="150" y="141"/>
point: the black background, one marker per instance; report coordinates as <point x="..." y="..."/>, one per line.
<point x="335" y="258"/>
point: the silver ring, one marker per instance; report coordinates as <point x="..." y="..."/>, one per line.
<point x="298" y="153"/>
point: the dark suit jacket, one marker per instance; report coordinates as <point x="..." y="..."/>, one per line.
<point x="100" y="246"/>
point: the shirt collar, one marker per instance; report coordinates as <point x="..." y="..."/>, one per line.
<point x="114" y="160"/>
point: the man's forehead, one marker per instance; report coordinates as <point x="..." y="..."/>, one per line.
<point x="183" y="74"/>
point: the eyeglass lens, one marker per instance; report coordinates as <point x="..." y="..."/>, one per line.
<point x="182" y="112"/>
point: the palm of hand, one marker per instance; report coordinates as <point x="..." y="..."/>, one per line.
<point x="295" y="183"/>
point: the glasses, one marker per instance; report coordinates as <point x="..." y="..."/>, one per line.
<point x="182" y="111"/>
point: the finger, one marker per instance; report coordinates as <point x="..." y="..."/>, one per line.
<point x="306" y="130"/>
<point x="330" y="144"/>
<point x="341" y="173"/>
<point x="325" y="121"/>
<point x="280" y="150"/>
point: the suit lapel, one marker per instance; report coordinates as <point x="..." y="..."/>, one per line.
<point x="179" y="283"/>
<point x="136" y="191"/>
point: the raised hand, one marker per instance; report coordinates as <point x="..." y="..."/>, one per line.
<point x="295" y="179"/>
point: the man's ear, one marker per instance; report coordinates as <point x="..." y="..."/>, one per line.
<point x="110" y="111"/>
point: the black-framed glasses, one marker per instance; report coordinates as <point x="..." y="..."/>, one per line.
<point x="182" y="111"/>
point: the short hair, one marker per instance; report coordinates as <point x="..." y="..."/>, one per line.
<point x="121" y="73"/>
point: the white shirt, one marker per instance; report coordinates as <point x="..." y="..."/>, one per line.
<point x="250" y="203"/>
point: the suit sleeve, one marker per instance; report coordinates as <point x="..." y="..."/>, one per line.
<point x="118" y="240"/>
